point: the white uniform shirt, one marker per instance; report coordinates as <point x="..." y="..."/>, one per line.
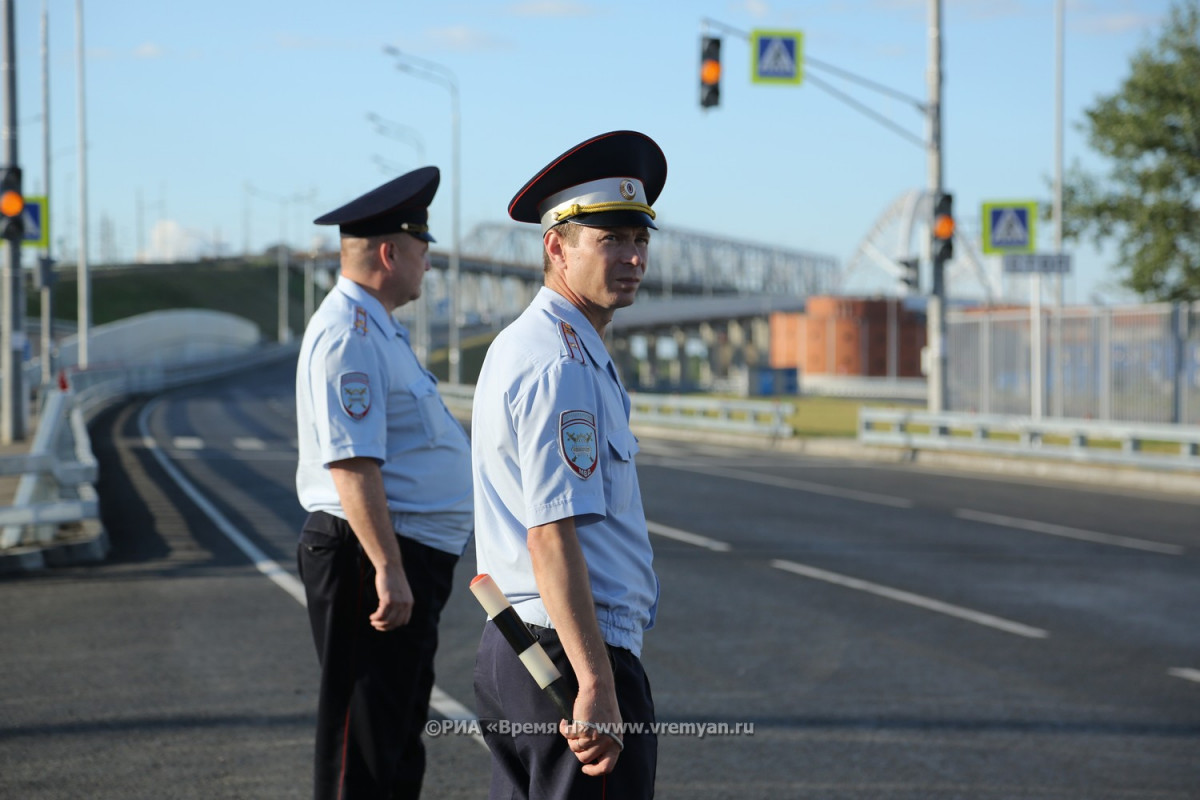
<point x="550" y="439"/>
<point x="360" y="392"/>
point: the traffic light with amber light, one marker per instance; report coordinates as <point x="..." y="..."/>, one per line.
<point x="710" y="71"/>
<point x="12" y="203"/>
<point x="943" y="228"/>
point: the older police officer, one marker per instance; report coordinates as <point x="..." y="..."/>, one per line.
<point x="559" y="521"/>
<point x="384" y="473"/>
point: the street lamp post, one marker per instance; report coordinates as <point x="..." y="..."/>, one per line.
<point x="439" y="74"/>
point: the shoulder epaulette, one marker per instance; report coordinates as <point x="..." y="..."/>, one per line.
<point x="571" y="342"/>
<point x="360" y="320"/>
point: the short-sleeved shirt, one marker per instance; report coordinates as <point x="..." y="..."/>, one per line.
<point x="360" y="392"/>
<point x="550" y="439"/>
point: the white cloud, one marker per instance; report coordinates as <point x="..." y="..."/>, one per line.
<point x="1106" y="24"/>
<point x="148" y="50"/>
<point x="759" y="9"/>
<point x="551" y="8"/>
<point x="462" y="38"/>
<point x="170" y="241"/>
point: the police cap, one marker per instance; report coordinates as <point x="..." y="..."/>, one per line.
<point x="398" y="206"/>
<point x="607" y="181"/>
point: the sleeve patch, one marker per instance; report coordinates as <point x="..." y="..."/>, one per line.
<point x="577" y="440"/>
<point x="355" y="394"/>
<point x="571" y="341"/>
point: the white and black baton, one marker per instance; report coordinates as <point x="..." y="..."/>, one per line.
<point x="523" y="642"/>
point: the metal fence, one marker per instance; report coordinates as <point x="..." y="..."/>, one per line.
<point x="1127" y="364"/>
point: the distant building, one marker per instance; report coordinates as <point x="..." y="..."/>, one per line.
<point x="850" y="336"/>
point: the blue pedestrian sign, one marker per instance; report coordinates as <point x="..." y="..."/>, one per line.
<point x="36" y="217"/>
<point x="778" y="57"/>
<point x="1010" y="227"/>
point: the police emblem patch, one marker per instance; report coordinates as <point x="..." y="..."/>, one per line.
<point x="355" y="392"/>
<point x="577" y="438"/>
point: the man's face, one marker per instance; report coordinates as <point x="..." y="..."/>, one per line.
<point x="409" y="261"/>
<point x="605" y="266"/>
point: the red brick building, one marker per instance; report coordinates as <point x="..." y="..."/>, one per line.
<point x="849" y="336"/>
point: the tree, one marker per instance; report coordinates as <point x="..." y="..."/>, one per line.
<point x="1150" y="130"/>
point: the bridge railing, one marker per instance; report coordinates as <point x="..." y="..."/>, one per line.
<point x="1158" y="446"/>
<point x="755" y="417"/>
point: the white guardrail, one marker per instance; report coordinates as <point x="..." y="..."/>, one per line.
<point x="1169" y="447"/>
<point x="55" y="504"/>
<point x="755" y="417"/>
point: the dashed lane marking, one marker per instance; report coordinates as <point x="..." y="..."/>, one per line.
<point x="928" y="603"/>
<point x="1069" y="533"/>
<point x="439" y="700"/>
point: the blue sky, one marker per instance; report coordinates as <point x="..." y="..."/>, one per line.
<point x="222" y="125"/>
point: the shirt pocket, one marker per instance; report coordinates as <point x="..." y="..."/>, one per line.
<point x="622" y="445"/>
<point x="434" y="420"/>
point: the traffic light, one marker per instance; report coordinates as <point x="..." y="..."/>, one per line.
<point x="12" y="203"/>
<point x="911" y="275"/>
<point x="710" y="71"/>
<point x="943" y="227"/>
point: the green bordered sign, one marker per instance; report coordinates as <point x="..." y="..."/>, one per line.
<point x="36" y="217"/>
<point x="1010" y="227"/>
<point x="778" y="57"/>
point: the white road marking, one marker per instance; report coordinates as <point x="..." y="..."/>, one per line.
<point x="920" y="601"/>
<point x="187" y="443"/>
<point x="802" y="486"/>
<point x="688" y="538"/>
<point x="439" y="701"/>
<point x="1186" y="673"/>
<point x="249" y="443"/>
<point x="1069" y="533"/>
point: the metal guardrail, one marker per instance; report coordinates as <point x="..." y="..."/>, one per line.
<point x="756" y="417"/>
<point x="1081" y="440"/>
<point x="57" y="475"/>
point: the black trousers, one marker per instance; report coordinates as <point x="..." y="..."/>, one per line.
<point x="375" y="686"/>
<point x="538" y="765"/>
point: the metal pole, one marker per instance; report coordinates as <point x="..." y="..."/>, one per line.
<point x="85" y="281"/>
<point x="936" y="312"/>
<point x="455" y="304"/>
<point x="1059" y="367"/>
<point x="47" y="265"/>
<point x="282" y="262"/>
<point x="12" y="428"/>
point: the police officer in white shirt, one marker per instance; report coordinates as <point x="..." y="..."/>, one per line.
<point x="559" y="521"/>
<point x="384" y="472"/>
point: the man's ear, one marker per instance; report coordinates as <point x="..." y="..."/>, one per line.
<point x="382" y="250"/>
<point x="555" y="245"/>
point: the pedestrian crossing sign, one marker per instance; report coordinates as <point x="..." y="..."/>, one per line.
<point x="36" y="219"/>
<point x="778" y="57"/>
<point x="1010" y="227"/>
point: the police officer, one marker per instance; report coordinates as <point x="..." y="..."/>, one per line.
<point x="559" y="521"/>
<point x="384" y="472"/>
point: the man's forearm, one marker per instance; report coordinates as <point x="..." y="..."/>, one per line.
<point x="562" y="578"/>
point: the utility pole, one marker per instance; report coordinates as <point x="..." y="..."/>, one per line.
<point x="935" y="314"/>
<point x="12" y="324"/>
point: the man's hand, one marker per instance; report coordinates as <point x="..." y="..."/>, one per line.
<point x="595" y="736"/>
<point x="395" y="600"/>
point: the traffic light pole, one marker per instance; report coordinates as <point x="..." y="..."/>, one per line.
<point x="935" y="313"/>
<point x="12" y="323"/>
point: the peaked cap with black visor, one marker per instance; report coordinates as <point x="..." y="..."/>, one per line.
<point x="608" y="181"/>
<point x="399" y="206"/>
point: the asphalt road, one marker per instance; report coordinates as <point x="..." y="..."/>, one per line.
<point x="887" y="631"/>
